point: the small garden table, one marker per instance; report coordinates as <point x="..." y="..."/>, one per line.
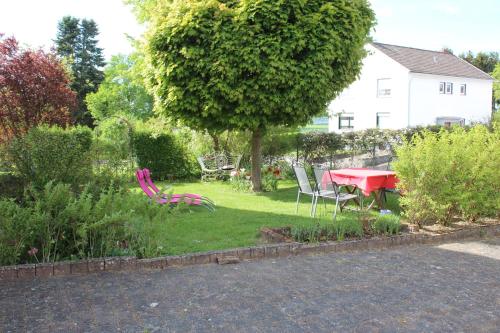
<point x="367" y="180"/>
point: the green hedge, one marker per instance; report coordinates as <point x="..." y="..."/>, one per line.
<point x="449" y="174"/>
<point x="52" y="154"/>
<point x="320" y="145"/>
<point x="163" y="155"/>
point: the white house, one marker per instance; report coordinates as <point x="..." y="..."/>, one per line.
<point x="406" y="87"/>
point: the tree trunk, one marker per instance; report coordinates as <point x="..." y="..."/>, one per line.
<point x="215" y="140"/>
<point x="256" y="160"/>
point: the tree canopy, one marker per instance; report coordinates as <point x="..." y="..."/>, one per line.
<point x="122" y="91"/>
<point x="496" y="84"/>
<point x="76" y="41"/>
<point x="34" y="89"/>
<point x="144" y="9"/>
<point x="485" y="61"/>
<point x="251" y="64"/>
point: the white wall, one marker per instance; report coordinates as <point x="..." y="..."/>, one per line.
<point x="426" y="103"/>
<point x="361" y="97"/>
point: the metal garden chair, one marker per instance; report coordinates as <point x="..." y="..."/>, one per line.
<point x="228" y="163"/>
<point x="390" y="190"/>
<point x="330" y="191"/>
<point x="209" y="168"/>
<point x="304" y="185"/>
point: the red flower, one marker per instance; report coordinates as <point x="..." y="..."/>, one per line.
<point x="277" y="172"/>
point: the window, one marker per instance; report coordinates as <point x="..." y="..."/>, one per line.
<point x="463" y="89"/>
<point x="449" y="88"/>
<point x="442" y="87"/>
<point x="450" y="121"/>
<point x="383" y="119"/>
<point x="384" y="87"/>
<point x="346" y="121"/>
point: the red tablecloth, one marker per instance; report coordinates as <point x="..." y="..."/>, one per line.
<point x="368" y="180"/>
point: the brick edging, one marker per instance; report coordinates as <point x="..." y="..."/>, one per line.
<point x="66" y="268"/>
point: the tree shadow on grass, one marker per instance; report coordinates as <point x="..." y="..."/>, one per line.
<point x="196" y="230"/>
<point x="289" y="194"/>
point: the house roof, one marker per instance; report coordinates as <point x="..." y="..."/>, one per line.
<point x="431" y="62"/>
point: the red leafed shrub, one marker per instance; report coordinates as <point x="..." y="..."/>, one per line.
<point x="34" y="90"/>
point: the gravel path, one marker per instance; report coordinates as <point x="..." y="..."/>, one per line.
<point x="447" y="288"/>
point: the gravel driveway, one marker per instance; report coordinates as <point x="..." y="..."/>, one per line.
<point x="447" y="288"/>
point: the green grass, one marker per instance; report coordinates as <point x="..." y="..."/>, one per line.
<point x="238" y="216"/>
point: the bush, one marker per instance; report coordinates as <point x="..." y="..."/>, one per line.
<point x="11" y="186"/>
<point x="240" y="181"/>
<point x="450" y="173"/>
<point x="163" y="155"/>
<point x="319" y="145"/>
<point x="314" y="146"/>
<point x="278" y="142"/>
<point x="52" y="154"/>
<point x="57" y="224"/>
<point x="387" y="224"/>
<point x="270" y="177"/>
<point x="15" y="232"/>
<point x="339" y="230"/>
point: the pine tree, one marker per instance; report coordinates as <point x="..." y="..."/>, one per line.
<point x="68" y="32"/>
<point x="77" y="42"/>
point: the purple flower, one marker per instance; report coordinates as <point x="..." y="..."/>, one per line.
<point x="32" y="251"/>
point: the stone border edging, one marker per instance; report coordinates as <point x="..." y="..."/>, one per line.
<point x="65" y="268"/>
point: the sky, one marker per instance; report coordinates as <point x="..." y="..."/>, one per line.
<point x="461" y="25"/>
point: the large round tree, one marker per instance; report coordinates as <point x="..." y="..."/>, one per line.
<point x="250" y="64"/>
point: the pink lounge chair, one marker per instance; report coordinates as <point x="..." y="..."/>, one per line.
<point x="144" y="176"/>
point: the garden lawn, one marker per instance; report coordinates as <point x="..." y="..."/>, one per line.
<point x="239" y="216"/>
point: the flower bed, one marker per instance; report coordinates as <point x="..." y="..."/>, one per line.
<point x="286" y="234"/>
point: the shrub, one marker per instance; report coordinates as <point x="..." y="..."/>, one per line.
<point x="323" y="146"/>
<point x="11" y="186"/>
<point x="387" y="224"/>
<point x="347" y="228"/>
<point x="112" y="151"/>
<point x="315" y="145"/>
<point x="57" y="224"/>
<point x="339" y="230"/>
<point x="240" y="180"/>
<point x="52" y="154"/>
<point x="270" y="177"/>
<point x="286" y="169"/>
<point x="15" y="232"/>
<point x="278" y="142"/>
<point x="162" y="154"/>
<point x="450" y="173"/>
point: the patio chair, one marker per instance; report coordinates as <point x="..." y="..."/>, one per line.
<point x="209" y="168"/>
<point x="149" y="181"/>
<point x="173" y="199"/>
<point x="229" y="163"/>
<point x="390" y="190"/>
<point x="330" y="191"/>
<point x="304" y="185"/>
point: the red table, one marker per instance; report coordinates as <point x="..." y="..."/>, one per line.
<point x="367" y="180"/>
